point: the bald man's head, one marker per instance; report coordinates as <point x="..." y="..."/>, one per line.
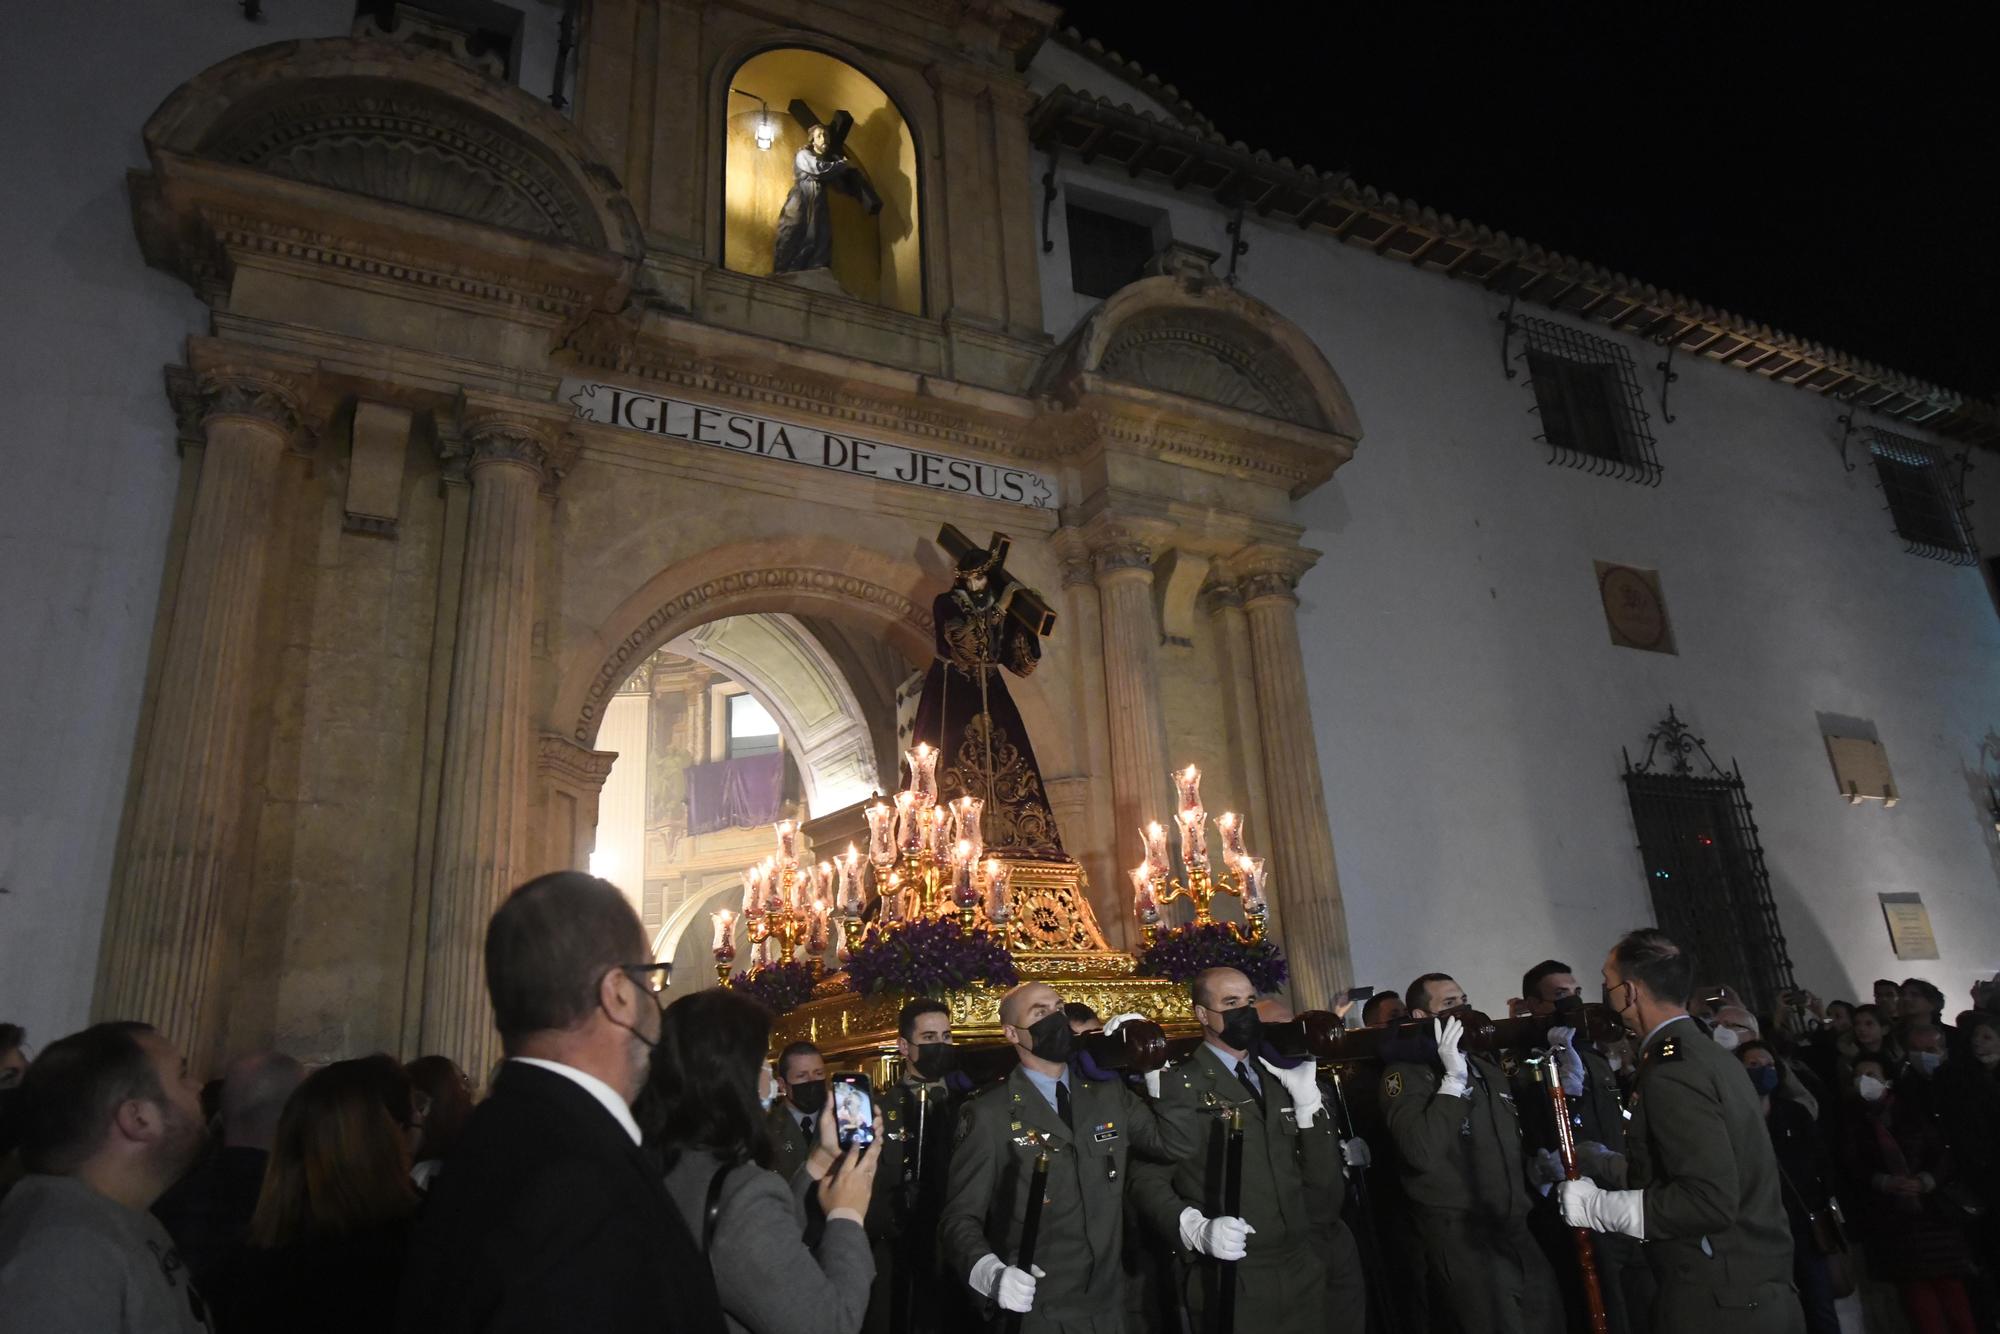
<point x="1027" y="1003"/>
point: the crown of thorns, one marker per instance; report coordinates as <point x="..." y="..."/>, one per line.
<point x="977" y="562"/>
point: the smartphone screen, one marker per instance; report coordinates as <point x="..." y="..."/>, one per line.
<point x="853" y="1113"/>
<point x="1360" y="993"/>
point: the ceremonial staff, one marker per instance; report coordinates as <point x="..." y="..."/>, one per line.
<point x="1232" y="1207"/>
<point x="1381" y="1293"/>
<point x="1586" y="1251"/>
<point x="1031" y="1226"/>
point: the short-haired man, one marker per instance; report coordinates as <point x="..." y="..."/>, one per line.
<point x="918" y="1112"/>
<point x="1598" y="1127"/>
<point x="551" y="1217"/>
<point x="209" y="1210"/>
<point x="1382" y="1009"/>
<point x="1458" y="1135"/>
<point x="800" y="1076"/>
<point x="1705" y="1195"/>
<point x="1088" y="1128"/>
<point x="110" y="1119"/>
<point x="1291" y="1160"/>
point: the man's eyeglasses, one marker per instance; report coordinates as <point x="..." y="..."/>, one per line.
<point x="652" y="977"/>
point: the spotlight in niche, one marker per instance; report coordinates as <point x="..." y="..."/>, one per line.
<point x="767" y="130"/>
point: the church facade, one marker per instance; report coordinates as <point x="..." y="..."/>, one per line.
<point x="400" y="433"/>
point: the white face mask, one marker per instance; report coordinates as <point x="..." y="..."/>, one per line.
<point x="1728" y="1039"/>
<point x="1929" y="1061"/>
<point x="1870" y="1088"/>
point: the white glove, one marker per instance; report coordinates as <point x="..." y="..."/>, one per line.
<point x="1223" y="1238"/>
<point x="1586" y="1204"/>
<point x="1302" y="1082"/>
<point x="1012" y="1288"/>
<point x="1457" y="1070"/>
<point x="1152" y="1078"/>
<point x="1568" y="1062"/>
<point x="1545" y="1168"/>
<point x="1356" y="1152"/>
<point x="1118" y="1021"/>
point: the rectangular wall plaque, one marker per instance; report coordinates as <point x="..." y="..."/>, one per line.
<point x="1909" y="926"/>
<point x="767" y="440"/>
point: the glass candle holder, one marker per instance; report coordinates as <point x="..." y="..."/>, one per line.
<point x="1187" y="784"/>
<point x="881" y="833"/>
<point x="1154" y="836"/>
<point x="1144" y="906"/>
<point x="923" y="758"/>
<point x="999" y="883"/>
<point x="1231" y="825"/>
<point x="1194" y="837"/>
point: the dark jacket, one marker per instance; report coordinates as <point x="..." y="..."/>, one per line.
<point x="209" y="1209"/>
<point x="549" y="1217"/>
<point x="1908" y="1236"/>
<point x="331" y="1286"/>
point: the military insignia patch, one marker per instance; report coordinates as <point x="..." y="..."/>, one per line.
<point x="1393" y="1083"/>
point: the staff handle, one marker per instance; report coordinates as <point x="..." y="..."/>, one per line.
<point x="1232" y="1207"/>
<point x="1586" y="1250"/>
<point x="1031" y="1227"/>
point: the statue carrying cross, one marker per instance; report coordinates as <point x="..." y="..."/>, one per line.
<point x="986" y="621"/>
<point x="805" y="223"/>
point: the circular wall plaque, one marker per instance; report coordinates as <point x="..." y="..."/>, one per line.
<point x="1633" y="606"/>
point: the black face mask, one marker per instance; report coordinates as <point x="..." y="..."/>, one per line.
<point x="1049" y="1037"/>
<point x="808" y="1095"/>
<point x="935" y="1060"/>
<point x="1242" y="1028"/>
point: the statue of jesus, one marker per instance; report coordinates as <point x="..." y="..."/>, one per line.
<point x="805" y="223"/>
<point x="986" y="622"/>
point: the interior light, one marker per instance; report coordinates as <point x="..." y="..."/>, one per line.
<point x="767" y="129"/>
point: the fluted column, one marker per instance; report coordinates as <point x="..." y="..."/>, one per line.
<point x="1223" y="601"/>
<point x="1138" y="732"/>
<point x="482" y="798"/>
<point x="163" y="938"/>
<point x="1304" y="881"/>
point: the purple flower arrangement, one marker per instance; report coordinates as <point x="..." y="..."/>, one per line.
<point x="1178" y="953"/>
<point x="928" y="958"/>
<point x="782" y="987"/>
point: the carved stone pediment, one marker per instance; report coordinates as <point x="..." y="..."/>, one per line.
<point x="1196" y="356"/>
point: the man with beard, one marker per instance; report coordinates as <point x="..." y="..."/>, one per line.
<point x="1458" y="1133"/>
<point x="800" y="1074"/>
<point x="551" y="1217"/>
<point x="1275" y="1249"/>
<point x="1088" y="1127"/>
<point x="110" y="1120"/>
<point x="1706" y="1187"/>
<point x="917" y="1117"/>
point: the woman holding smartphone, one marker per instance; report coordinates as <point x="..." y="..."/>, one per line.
<point x="703" y="1111"/>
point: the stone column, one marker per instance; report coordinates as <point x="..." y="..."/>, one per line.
<point x="1224" y="603"/>
<point x="163" y="937"/>
<point x="1304" y="882"/>
<point x="1139" y="782"/>
<point x="511" y="450"/>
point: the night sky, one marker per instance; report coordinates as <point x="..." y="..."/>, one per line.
<point x="1824" y="170"/>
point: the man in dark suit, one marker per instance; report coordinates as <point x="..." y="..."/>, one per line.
<point x="547" y="1215"/>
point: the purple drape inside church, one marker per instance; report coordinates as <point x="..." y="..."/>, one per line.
<point x="735" y="794"/>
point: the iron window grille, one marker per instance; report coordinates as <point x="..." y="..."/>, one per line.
<point x="1705" y="865"/>
<point x="1105" y="251"/>
<point x="1587" y="395"/>
<point x="1925" y="499"/>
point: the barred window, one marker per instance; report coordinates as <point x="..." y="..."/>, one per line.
<point x="1587" y="397"/>
<point x="1925" y="499"/>
<point x="1105" y="251"/>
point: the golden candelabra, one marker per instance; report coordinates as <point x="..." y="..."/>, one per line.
<point x="1153" y="885"/>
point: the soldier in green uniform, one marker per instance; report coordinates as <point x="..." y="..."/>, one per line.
<point x="1597" y="1123"/>
<point x="918" y="1113"/>
<point x="1704" y="1183"/>
<point x="1088" y="1128"/>
<point x="800" y="1072"/>
<point x="1291" y="1164"/>
<point x="1454" y="1124"/>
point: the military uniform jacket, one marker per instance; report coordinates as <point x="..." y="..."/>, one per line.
<point x="1698" y="1148"/>
<point x="789" y="1146"/>
<point x="1460" y="1154"/>
<point x="1286" y="1171"/>
<point x="1000" y="1131"/>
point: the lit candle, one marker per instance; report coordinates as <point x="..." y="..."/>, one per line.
<point x="1155" y="839"/>
<point x="725" y="935"/>
<point x="923" y="773"/>
<point x="1143" y="904"/>
<point x="774" y="887"/>
<point x="966" y="820"/>
<point x="881" y="833"/>
<point x="999" y="875"/>
<point x="929" y="821"/>
<point x="892" y="899"/>
<point x="850" y="882"/>
<point x="1232" y="836"/>
<point x="963" y="892"/>
<point x="788" y="843"/>
<point x="1194" y="836"/>
<point x="1253" y="877"/>
<point x="907" y="831"/>
<point x="753" y="897"/>
<point x="1188" y="783"/>
<point x="816" y="941"/>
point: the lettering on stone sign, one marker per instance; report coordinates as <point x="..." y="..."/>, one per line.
<point x="751" y="435"/>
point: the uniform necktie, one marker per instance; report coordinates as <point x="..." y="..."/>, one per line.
<point x="1062" y="1105"/>
<point x="810" y="1125"/>
<point x="1243" y="1073"/>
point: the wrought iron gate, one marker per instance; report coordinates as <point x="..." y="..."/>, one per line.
<point x="1705" y="865"/>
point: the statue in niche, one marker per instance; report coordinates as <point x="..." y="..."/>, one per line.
<point x="987" y="621"/>
<point x="805" y="223"/>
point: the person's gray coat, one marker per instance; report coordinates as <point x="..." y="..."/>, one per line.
<point x="769" y="1281"/>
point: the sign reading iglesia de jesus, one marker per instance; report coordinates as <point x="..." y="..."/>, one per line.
<point x="764" y="438"/>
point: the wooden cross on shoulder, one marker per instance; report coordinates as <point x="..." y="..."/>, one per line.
<point x="836" y="129"/>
